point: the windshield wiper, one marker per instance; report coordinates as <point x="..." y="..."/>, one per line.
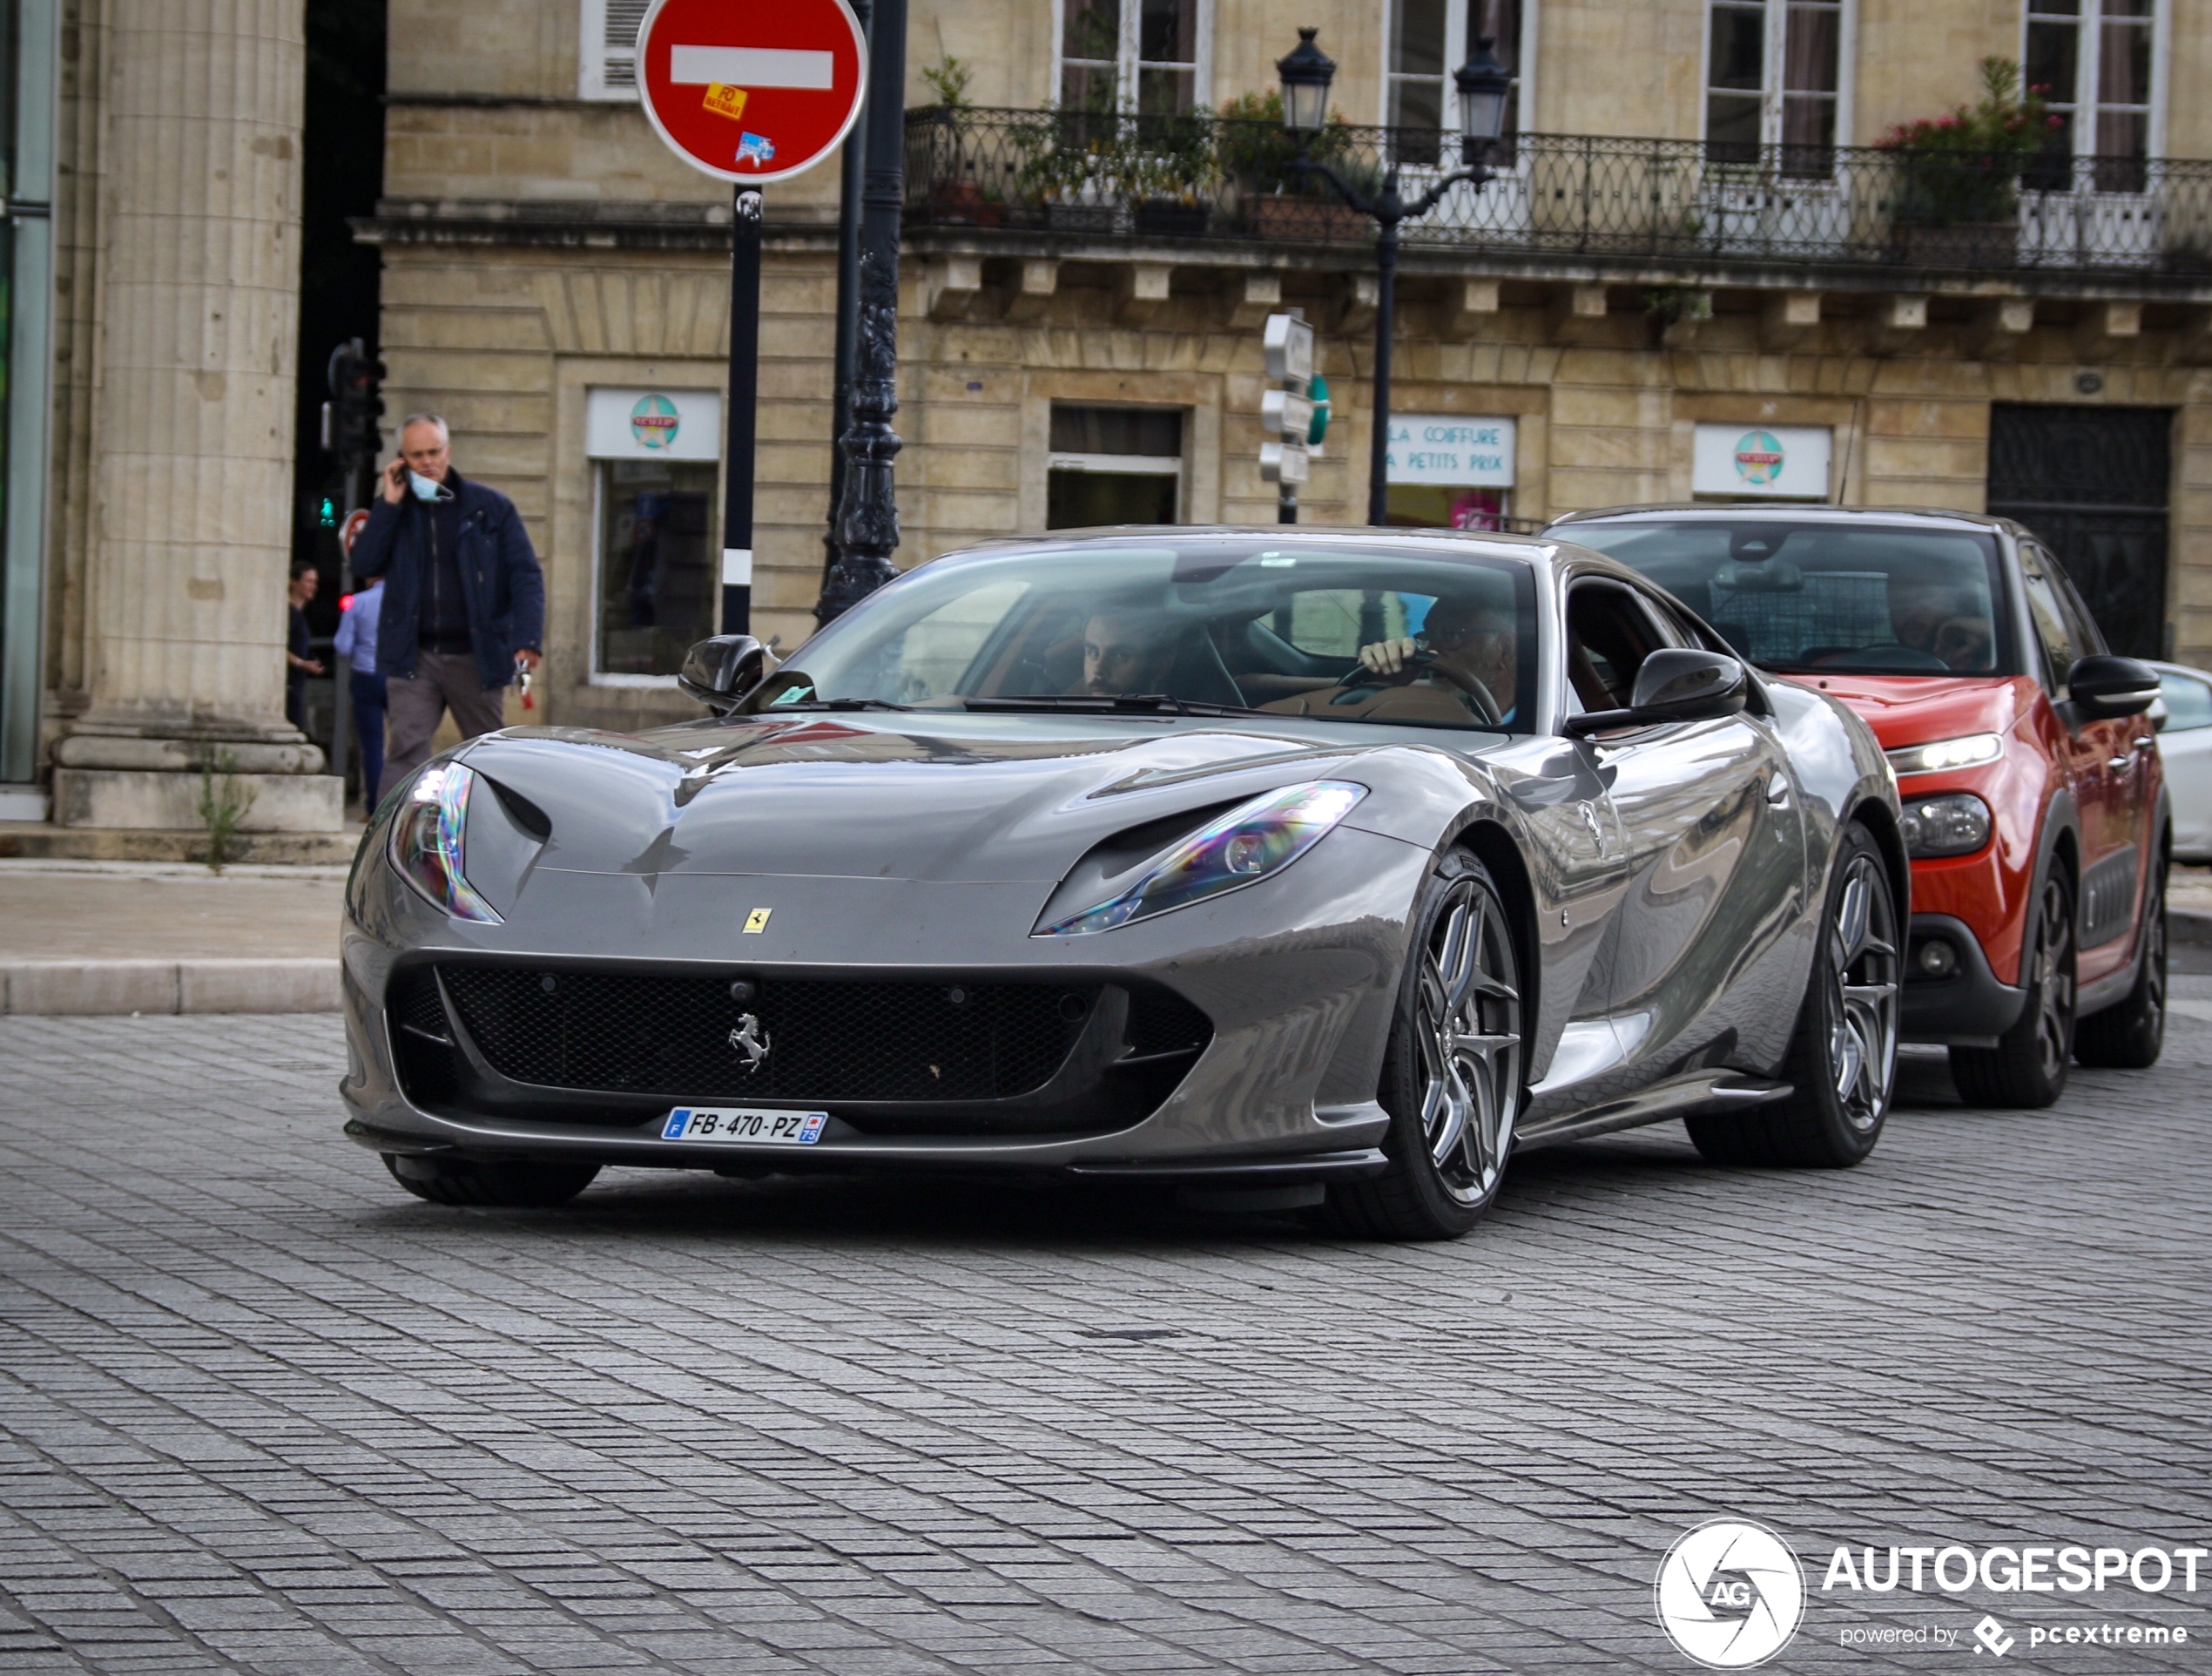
<point x="1106" y="704"/>
<point x="833" y="704"/>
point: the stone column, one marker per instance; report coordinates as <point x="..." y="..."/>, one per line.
<point x="198" y="310"/>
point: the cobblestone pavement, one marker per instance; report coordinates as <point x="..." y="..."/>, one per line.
<point x="260" y="1411"/>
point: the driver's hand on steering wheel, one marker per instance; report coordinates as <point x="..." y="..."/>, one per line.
<point x="1388" y="657"/>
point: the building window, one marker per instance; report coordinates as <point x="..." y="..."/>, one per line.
<point x="2093" y="59"/>
<point x="1146" y="55"/>
<point x="659" y="578"/>
<point x="607" y="50"/>
<point x="1774" y="77"/>
<point x="1114" y="465"/>
<point x="1428" y="40"/>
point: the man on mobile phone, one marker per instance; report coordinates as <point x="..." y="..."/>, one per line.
<point x="464" y="600"/>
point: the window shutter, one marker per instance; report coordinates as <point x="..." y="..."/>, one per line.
<point x="607" y="49"/>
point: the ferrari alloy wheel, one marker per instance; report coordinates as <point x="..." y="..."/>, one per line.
<point x="515" y="1185"/>
<point x="2027" y="1066"/>
<point x="1842" y="1067"/>
<point x="1452" y="1073"/>
<point x="2130" y="1035"/>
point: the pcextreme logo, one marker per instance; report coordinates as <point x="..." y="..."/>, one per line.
<point x="1730" y="1594"/>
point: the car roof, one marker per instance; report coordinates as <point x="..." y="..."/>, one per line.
<point x="1927" y="517"/>
<point x="1542" y="552"/>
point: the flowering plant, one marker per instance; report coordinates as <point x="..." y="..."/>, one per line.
<point x="1965" y="165"/>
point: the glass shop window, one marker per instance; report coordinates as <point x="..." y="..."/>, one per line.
<point x="659" y="577"/>
<point x="1114" y="465"/>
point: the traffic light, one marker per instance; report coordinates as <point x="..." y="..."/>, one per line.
<point x="350" y="431"/>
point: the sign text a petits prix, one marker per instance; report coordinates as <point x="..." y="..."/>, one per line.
<point x="652" y="424"/>
<point x="1451" y="449"/>
<point x="1763" y="461"/>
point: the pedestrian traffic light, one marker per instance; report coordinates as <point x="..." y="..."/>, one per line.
<point x="350" y="431"/>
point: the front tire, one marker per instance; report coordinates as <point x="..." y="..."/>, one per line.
<point x="1842" y="1067"/>
<point x="518" y="1186"/>
<point x="2027" y="1069"/>
<point x="1451" y="1071"/>
<point x="2130" y="1037"/>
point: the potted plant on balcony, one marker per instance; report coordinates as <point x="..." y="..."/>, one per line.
<point x="1957" y="176"/>
<point x="956" y="192"/>
<point x="1254" y="151"/>
<point x="1166" y="165"/>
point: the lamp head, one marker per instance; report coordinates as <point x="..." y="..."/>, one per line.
<point x="1484" y="84"/>
<point x="1305" y="72"/>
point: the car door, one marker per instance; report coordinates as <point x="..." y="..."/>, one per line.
<point x="2100" y="765"/>
<point x="1700" y="965"/>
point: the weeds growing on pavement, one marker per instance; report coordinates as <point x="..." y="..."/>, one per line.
<point x="223" y="802"/>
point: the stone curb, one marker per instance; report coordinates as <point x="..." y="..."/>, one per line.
<point x="168" y="986"/>
<point x="2189" y="925"/>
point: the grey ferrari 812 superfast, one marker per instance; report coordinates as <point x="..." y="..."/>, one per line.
<point x="1312" y="868"/>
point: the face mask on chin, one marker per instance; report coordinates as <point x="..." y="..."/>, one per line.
<point x="427" y="488"/>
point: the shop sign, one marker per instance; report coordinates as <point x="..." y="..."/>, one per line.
<point x="635" y="424"/>
<point x="1783" y="461"/>
<point x="1450" y="450"/>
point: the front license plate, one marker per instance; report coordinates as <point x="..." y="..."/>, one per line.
<point x="744" y="1126"/>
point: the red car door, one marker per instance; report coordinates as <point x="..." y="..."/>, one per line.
<point x="2099" y="757"/>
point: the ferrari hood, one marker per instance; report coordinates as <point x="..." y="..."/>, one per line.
<point x="953" y="799"/>
<point x="1917" y="709"/>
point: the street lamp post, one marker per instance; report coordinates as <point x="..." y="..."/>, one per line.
<point x="867" y="518"/>
<point x="1483" y="84"/>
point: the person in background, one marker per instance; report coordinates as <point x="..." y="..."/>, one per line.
<point x="298" y="641"/>
<point x="464" y="603"/>
<point x="357" y="641"/>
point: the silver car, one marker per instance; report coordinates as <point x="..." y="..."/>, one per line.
<point x="1311" y="867"/>
<point x="2185" y="746"/>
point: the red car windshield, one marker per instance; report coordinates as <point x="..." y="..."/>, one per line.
<point x="1847" y="598"/>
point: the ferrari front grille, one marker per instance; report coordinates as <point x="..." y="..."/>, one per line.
<point x="686" y="1037"/>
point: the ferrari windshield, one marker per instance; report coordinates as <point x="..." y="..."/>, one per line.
<point x="1353" y="632"/>
<point x="1846" y="598"/>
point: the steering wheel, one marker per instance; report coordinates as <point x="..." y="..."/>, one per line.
<point x="1486" y="705"/>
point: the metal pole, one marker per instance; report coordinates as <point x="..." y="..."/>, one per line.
<point x="867" y="525"/>
<point x="738" y="427"/>
<point x="1386" y="308"/>
<point x="341" y="668"/>
<point x="852" y="163"/>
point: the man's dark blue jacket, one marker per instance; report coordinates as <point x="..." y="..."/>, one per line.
<point x="500" y="579"/>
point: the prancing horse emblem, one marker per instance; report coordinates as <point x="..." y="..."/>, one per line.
<point x="749" y="1039"/>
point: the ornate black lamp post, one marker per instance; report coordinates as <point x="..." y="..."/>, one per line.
<point x="867" y="518"/>
<point x="1483" y="85"/>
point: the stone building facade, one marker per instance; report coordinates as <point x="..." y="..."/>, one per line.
<point x="1689" y="278"/>
<point x="539" y="246"/>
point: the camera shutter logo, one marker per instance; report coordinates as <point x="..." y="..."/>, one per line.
<point x="1758" y="457"/>
<point x="1730" y="1594"/>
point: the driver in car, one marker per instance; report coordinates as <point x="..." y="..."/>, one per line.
<point x="1934" y="617"/>
<point x="1455" y="636"/>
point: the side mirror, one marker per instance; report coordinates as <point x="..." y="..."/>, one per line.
<point x="2104" y="687"/>
<point x="1676" y="685"/>
<point x="720" y="672"/>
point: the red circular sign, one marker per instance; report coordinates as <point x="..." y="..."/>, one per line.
<point x="751" y="92"/>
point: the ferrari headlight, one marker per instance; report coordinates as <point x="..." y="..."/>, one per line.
<point x="427" y="837"/>
<point x="1945" y="754"/>
<point x="1956" y="823"/>
<point x="1259" y="837"/>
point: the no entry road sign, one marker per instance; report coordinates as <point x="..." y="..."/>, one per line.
<point x="747" y="91"/>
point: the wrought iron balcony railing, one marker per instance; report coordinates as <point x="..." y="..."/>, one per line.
<point x="1563" y="196"/>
